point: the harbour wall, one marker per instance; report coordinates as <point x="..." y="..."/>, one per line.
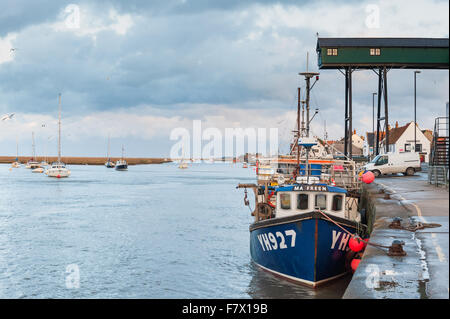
<point x="422" y="271"/>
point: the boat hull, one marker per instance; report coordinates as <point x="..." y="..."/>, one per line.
<point x="109" y="164"/>
<point x="304" y="248"/>
<point x="58" y="173"/>
<point x="121" y="167"/>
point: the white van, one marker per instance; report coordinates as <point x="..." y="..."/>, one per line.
<point x="406" y="163"/>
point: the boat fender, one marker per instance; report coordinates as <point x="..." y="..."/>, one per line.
<point x="356" y="244"/>
<point x="355" y="264"/>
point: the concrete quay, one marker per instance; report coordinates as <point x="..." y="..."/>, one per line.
<point x="423" y="273"/>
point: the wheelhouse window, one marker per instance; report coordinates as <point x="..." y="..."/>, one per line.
<point x="321" y="201"/>
<point x="375" y="51"/>
<point x="332" y="51"/>
<point x="302" y="201"/>
<point x="418" y="147"/>
<point x="408" y="147"/>
<point x="337" y="203"/>
<point x="285" y="201"/>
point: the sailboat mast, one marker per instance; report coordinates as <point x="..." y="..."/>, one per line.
<point x="34" y="148"/>
<point x="298" y="129"/>
<point x="59" y="129"/>
<point x="109" y="145"/>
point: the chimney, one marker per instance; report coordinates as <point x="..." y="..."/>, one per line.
<point x="354" y="132"/>
<point x="396" y="124"/>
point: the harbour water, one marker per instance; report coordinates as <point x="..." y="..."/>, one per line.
<point x="154" y="231"/>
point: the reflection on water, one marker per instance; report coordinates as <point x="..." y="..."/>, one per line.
<point x="154" y="231"/>
<point x="265" y="285"/>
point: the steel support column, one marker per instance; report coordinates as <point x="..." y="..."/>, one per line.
<point x="348" y="114"/>
<point x="382" y="94"/>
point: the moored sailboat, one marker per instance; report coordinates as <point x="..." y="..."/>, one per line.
<point x="122" y="165"/>
<point x="16" y="163"/>
<point x="58" y="169"/>
<point x="32" y="163"/>
<point x="108" y="162"/>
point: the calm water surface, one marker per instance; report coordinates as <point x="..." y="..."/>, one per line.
<point x="154" y="231"/>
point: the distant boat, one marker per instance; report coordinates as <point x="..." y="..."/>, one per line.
<point x="38" y="170"/>
<point x="58" y="169"/>
<point x="108" y="163"/>
<point x="32" y="163"/>
<point x="16" y="163"/>
<point x="183" y="164"/>
<point x="121" y="165"/>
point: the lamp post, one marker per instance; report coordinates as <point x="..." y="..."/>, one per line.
<point x="415" y="104"/>
<point x="373" y="118"/>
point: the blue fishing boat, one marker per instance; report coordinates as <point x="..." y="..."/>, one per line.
<point x="304" y="238"/>
<point x="303" y="222"/>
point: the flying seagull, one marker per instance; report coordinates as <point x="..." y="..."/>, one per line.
<point x="7" y="117"/>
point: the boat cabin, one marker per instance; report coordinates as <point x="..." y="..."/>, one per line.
<point x="303" y="198"/>
<point x="58" y="165"/>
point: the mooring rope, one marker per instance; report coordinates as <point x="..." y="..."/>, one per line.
<point x="348" y="232"/>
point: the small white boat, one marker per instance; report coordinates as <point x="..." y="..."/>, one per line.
<point x="109" y="163"/>
<point x="58" y="169"/>
<point x="183" y="165"/>
<point x="32" y="164"/>
<point x="38" y="170"/>
<point x="15" y="164"/>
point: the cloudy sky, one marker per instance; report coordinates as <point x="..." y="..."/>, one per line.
<point x="136" y="69"/>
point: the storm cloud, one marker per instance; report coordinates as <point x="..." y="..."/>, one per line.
<point x="174" y="61"/>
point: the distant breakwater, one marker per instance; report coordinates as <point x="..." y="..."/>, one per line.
<point x="70" y="160"/>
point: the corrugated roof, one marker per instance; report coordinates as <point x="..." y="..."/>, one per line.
<point x="384" y="42"/>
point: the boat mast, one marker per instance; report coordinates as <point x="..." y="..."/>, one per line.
<point x="298" y="130"/>
<point x="59" y="129"/>
<point x="34" y="147"/>
<point x="308" y="75"/>
<point x="109" y="145"/>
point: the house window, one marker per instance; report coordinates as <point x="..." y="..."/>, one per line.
<point x="302" y="201"/>
<point x="418" y="147"/>
<point x="332" y="52"/>
<point x="375" y="51"/>
<point x="408" y="147"/>
<point x="285" y="200"/>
